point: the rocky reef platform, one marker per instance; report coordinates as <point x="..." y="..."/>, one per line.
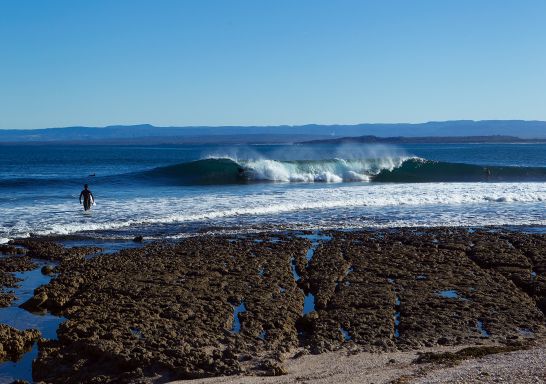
<point x="231" y="305"/>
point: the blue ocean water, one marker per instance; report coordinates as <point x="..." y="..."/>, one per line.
<point x="174" y="190"/>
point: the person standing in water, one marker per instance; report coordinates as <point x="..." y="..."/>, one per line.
<point x="88" y="198"/>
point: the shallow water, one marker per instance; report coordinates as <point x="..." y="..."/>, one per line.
<point x="294" y="271"/>
<point x="308" y="303"/>
<point x="21" y="319"/>
<point x="236" y="328"/>
<point x="449" y="294"/>
<point x="345" y="334"/>
<point x="480" y="327"/>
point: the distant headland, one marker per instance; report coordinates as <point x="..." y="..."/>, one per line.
<point x="498" y="139"/>
<point x="459" y="131"/>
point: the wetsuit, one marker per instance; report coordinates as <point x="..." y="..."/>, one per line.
<point x="87" y="199"/>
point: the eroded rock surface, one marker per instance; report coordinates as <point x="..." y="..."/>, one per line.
<point x="50" y="250"/>
<point x="169" y="310"/>
<point x="216" y="305"/>
<point x="14" y="343"/>
<point x="7" y="280"/>
<point x="405" y="290"/>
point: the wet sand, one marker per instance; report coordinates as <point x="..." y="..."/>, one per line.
<point x="286" y="305"/>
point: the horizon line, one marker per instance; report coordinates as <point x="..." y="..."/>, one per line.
<point x="274" y="125"/>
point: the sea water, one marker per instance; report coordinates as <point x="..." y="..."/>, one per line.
<point x="173" y="191"/>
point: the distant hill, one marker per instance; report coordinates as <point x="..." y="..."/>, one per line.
<point x="426" y="140"/>
<point x="247" y="134"/>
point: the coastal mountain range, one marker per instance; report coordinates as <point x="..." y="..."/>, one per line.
<point x="487" y="130"/>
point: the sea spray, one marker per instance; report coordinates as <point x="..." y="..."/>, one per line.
<point x="218" y="171"/>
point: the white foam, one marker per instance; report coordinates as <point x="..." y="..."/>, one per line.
<point x="329" y="171"/>
<point x="340" y="205"/>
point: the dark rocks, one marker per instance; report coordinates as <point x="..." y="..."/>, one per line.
<point x="384" y="305"/>
<point x="16" y="264"/>
<point x="49" y="250"/>
<point x="452" y="358"/>
<point x="168" y="310"/>
<point x="138" y="239"/>
<point x="273" y="368"/>
<point x="14" y="343"/>
<point x="8" y="249"/>
<point x="48" y="270"/>
<point x="37" y="302"/>
<point x="7" y="280"/>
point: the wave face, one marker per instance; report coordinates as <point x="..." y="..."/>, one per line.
<point x="229" y="171"/>
<point x="389" y="170"/>
<point x="418" y="171"/>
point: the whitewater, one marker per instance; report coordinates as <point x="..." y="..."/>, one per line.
<point x="171" y="192"/>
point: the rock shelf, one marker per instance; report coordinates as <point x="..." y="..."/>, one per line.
<point x="169" y="311"/>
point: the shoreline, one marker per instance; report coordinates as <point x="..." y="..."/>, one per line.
<point x="169" y="310"/>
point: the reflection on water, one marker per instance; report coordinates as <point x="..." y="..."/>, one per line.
<point x="21" y="319"/>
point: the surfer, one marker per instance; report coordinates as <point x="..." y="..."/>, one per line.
<point x="487" y="173"/>
<point x="88" y="198"/>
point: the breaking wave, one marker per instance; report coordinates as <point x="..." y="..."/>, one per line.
<point x="390" y="169"/>
<point x="224" y="170"/>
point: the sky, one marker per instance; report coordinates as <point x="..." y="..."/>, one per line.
<point x="269" y="62"/>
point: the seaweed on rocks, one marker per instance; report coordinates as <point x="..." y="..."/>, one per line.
<point x="453" y="358"/>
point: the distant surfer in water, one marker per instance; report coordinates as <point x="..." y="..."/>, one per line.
<point x="88" y="198"/>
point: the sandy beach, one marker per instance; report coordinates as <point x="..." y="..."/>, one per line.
<point x="525" y="366"/>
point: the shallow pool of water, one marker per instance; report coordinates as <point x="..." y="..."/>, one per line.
<point x="308" y="303"/>
<point x="449" y="294"/>
<point x="21" y="319"/>
<point x="236" y="321"/>
<point x="345" y="333"/>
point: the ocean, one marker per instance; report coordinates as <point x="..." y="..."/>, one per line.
<point x="172" y="191"/>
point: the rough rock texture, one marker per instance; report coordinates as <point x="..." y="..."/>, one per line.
<point x="168" y="310"/>
<point x="364" y="281"/>
<point x="33" y="248"/>
<point x="14" y="343"/>
<point x="8" y="249"/>
<point x="7" y="280"/>
<point x="49" y="250"/>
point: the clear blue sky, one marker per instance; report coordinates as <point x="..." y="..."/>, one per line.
<point x="234" y="62"/>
